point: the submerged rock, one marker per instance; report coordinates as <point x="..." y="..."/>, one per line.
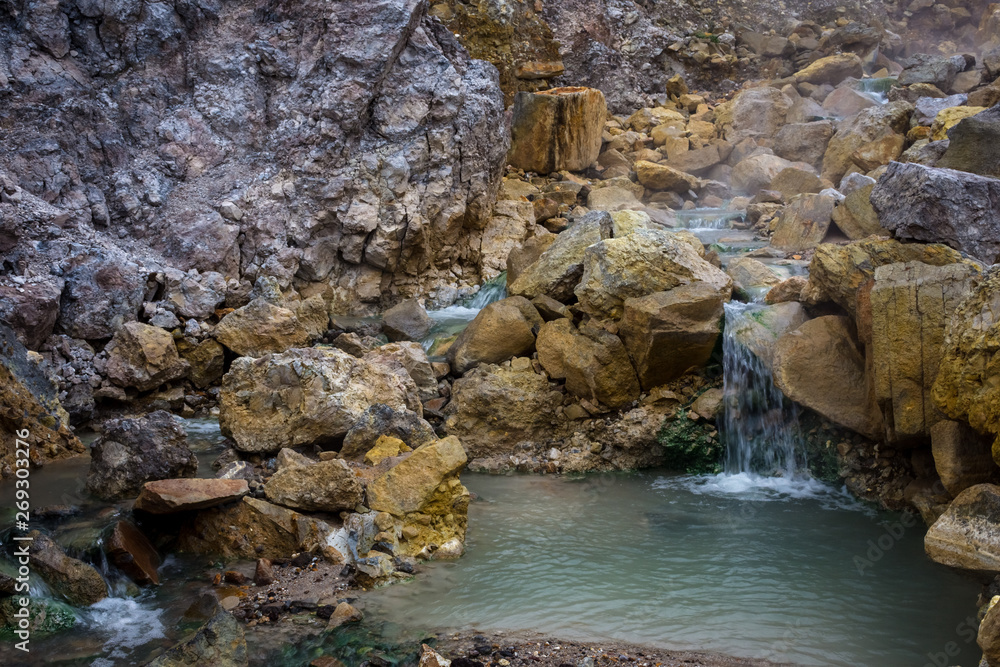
<point x="967" y="536"/>
<point x="75" y="580"/>
<point x="220" y="643"/>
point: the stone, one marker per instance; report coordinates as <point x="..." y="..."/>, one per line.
<point x="593" y="362"/>
<point x="855" y="216"/>
<point x="206" y="361"/>
<point x="804" y="222"/>
<point x="263" y="574"/>
<point x="411" y="356"/>
<point x="194" y="294"/>
<point x="935" y="70"/>
<point x="220" y="643"/>
<point x="911" y="304"/>
<point x="664" y="177"/>
<point x="966" y="536"/>
<point x="973" y="145"/>
<point x="962" y="457"/>
<point x="407" y="321"/>
<point x="342" y="614"/>
<point x="926" y="109"/>
<point x="612" y="198"/>
<point x="412" y="484"/>
<point x="831" y="69"/>
<point x="169" y="496"/>
<point x="949" y="118"/>
<point x="259" y="328"/>
<point x="306" y="396"/>
<point x="641" y="263"/>
<point x="557" y="129"/>
<point x="501" y="330"/>
<point x="45" y="616"/>
<point x="670" y="333"/>
<point x="31" y="310"/>
<point x="380" y="420"/>
<point x="326" y="486"/>
<point x="846" y="101"/>
<point x="758" y="329"/>
<point x="132" y="553"/>
<point x="941" y="206"/>
<point x="144" y="357"/>
<point x="819" y="365"/>
<point x="756" y="172"/>
<point x="508" y="227"/>
<point x="878" y="132"/>
<point x="988" y="636"/>
<point x="385" y="447"/>
<point x="803" y="142"/>
<point x="431" y="658"/>
<point x="709" y="405"/>
<point x="787" y="290"/>
<point x="756" y="112"/>
<point x="133" y="451"/>
<point x="794" y="181"/>
<point x="748" y="273"/>
<point x="73" y="579"/>
<point x="102" y="292"/>
<point x="697" y="161"/>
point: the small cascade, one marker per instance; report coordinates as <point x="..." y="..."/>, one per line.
<point x="451" y="320"/>
<point x="876" y="89"/>
<point x="708" y="218"/>
<point x="492" y="290"/>
<point x="759" y="425"/>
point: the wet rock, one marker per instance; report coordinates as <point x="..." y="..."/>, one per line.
<point x="206" y="360"/>
<point x="961" y="456"/>
<point x="263" y="573"/>
<point x="75" y="580"/>
<point x="261" y="327"/>
<point x="45" y="617"/>
<point x="132" y="553"/>
<point x="804" y="222"/>
<point x="219" y="642"/>
<point x="593" y="362"/>
<point x="411" y="356"/>
<point x="557" y="129"/>
<point x="193" y="294"/>
<point x="872" y="137"/>
<point x="973" y="145"/>
<point x="787" y="290"/>
<point x="748" y="273"/>
<point x="407" y="321"/>
<point x="431" y="658"/>
<point x="326" y="486"/>
<point x="306" y="396"/>
<point x="669" y="333"/>
<point x="940" y="206"/>
<point x="501" y="330"/>
<point x="344" y="613"/>
<point x="144" y="357"/>
<point x="966" y="535"/>
<point x="760" y="332"/>
<point x="819" y="365"/>
<point x="169" y="496"/>
<point x="380" y="420"/>
<point x="133" y="451"/>
<point x="831" y="69"/>
<point x="845" y="102"/>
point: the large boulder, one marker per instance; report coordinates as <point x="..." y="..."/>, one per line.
<point x="102" y="292"/>
<point x="593" y="362"/>
<point x="670" y="333"/>
<point x="261" y="327"/>
<point x="144" y="357"/>
<point x="411" y="356"/>
<point x="557" y="129"/>
<point x="501" y="330"/>
<point x="81" y="584"/>
<point x="830" y="70"/>
<point x="872" y="137"/>
<point x="803" y="142"/>
<point x="169" y="496"/>
<point x="558" y="269"/>
<point x="939" y="71"/>
<point x="941" y="206"/>
<point x="962" y="457"/>
<point x="381" y="420"/>
<point x="804" y="222"/>
<point x="974" y="145"/>
<point x="133" y="451"/>
<point x="646" y="261"/>
<point x="325" y="486"/>
<point x="664" y="177"/>
<point x="855" y="215"/>
<point x="306" y="396"/>
<point x="756" y="112"/>
<point x="967" y="535"/>
<point x="911" y="304"/>
<point x="756" y="172"/>
<point x="220" y="643"/>
<point x="206" y="359"/>
<point x="407" y="321"/>
<point x="31" y="310"/>
<point x="819" y="365"/>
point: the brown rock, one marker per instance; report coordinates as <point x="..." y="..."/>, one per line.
<point x="325" y="486"/>
<point x="663" y="177"/>
<point x="133" y="554"/>
<point x="967" y="535"/>
<point x="831" y="69"/>
<point x="75" y="580"/>
<point x="787" y="290"/>
<point x="261" y="327"/>
<point x="855" y="216"/>
<point x="961" y="456"/>
<point x="557" y="129"/>
<point x="344" y="613"/>
<point x="804" y="222"/>
<point x="144" y="357"/>
<point x="501" y="330"/>
<point x="794" y="181"/>
<point x="411" y="485"/>
<point x="168" y="496"/>
<point x="407" y="321"/>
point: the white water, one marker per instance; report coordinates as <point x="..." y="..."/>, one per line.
<point x="451" y="320"/>
<point x="125" y="623"/>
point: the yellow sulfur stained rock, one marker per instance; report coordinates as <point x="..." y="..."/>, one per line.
<point x="948" y="118"/>
<point x="385" y="447"/>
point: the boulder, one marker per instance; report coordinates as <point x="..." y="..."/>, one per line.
<point x="194" y="294"/>
<point x="306" y="397"/>
<point x="169" y="496"/>
<point x="845" y="102"/>
<point x="938" y="71"/>
<point x="757" y="112"/>
<point x="663" y="177"/>
<point x="962" y="457"/>
<point x="326" y="486"/>
<point x="697" y="161"/>
<point x="407" y="321"/>
<point x="593" y="362"/>
<point x="385" y="447"/>
<point x="926" y="109"/>
<point x="949" y="118"/>
<point x="876" y="134"/>
<point x="967" y="536"/>
<point x="831" y="69"/>
<point x="612" y="198"/>
<point x="411" y="356"/>
<point x="144" y="357"/>
<point x="73" y="579"/>
<point x="988" y="636"/>
<point x="641" y="263"/>
<point x="31" y="310"/>
<point x="911" y="305"/>
<point x="758" y="328"/>
<point x="411" y="484"/>
<point x="941" y="206"/>
<point x="804" y="222"/>
<point x="787" y="290"/>
<point x="819" y="365"/>
<point x="206" y="360"/>
<point x="381" y="420"/>
<point x="528" y="253"/>
<point x="748" y="274"/>
<point x="102" y="291"/>
<point x="855" y="216"/>
<point x="511" y="223"/>
<point x="557" y="129"/>
<point x="756" y="172"/>
<point x="670" y="333"/>
<point x="261" y="327"/>
<point x="133" y="451"/>
<point x="220" y="643"/>
<point x="803" y="142"/>
<point x="793" y="181"/>
<point x="974" y="145"/>
<point x="501" y="330"/>
<point x="132" y="553"/>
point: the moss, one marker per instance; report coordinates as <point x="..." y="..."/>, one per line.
<point x="689" y="447"/>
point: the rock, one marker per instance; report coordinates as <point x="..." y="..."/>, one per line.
<point x="131" y="552"/>
<point x="206" y="361"/>
<point x="380" y="420"/>
<point x="709" y="405"/>
<point x="940" y="206"/>
<point x="193" y="294"/>
<point x="663" y="177"/>
<point x="557" y="129"/>
<point x="385" y="447"/>
<point x="612" y="198"/>
<point x="306" y="396"/>
<point x="593" y="362"/>
<point x="911" y="305"/>
<point x="263" y="573"/>
<point x="411" y="356"/>
<point x="669" y="333"/>
<point x="102" y="292"/>
<point x="757" y="112"/>
<point x="845" y="102"/>
<point x="803" y="142"/>
<point x="521" y="258"/>
<point x="261" y="327"/>
<point x="407" y="321"/>
<point x="29" y="403"/>
<point x="431" y="658"/>
<point x="144" y="357"/>
<point x="697" y="161"/>
<point x="831" y="69"/>
<point x="748" y="273"/>
<point x="45" y="616"/>
<point x="804" y="222"/>
<point x="819" y="365"/>
<point x="132" y="452"/>
<point x="988" y="636"/>
<point x="326" y="486"/>
<point x="794" y="181"/>
<point x="510" y="224"/>
<point x="787" y="290"/>
<point x="878" y="133"/>
<point x="761" y="327"/>
<point x="948" y="118"/>
<point x="966" y="535"/>
<point x="641" y="263"/>
<point x="926" y="109"/>
<point x="219" y="642"/>
<point x="501" y="330"/>
<point x="73" y="579"/>
<point x="31" y="310"/>
<point x="344" y="613"/>
<point x="411" y="484"/>
<point x="961" y="456"/>
<point x="169" y="496"/>
<point x="756" y="172"/>
<point x="973" y="145"/>
<point x="935" y="70"/>
<point x="855" y="215"/>
<point x="557" y="271"/>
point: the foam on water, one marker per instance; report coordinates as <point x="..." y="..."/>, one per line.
<point x="753" y="487"/>
<point x="127" y="624"/>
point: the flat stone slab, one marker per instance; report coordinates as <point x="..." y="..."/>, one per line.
<point x="167" y="496"/>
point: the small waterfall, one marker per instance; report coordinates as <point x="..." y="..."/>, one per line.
<point x="759" y="426"/>
<point x="876" y="89"/>
<point x="492" y="290"/>
<point x="451" y="320"/>
<point x="707" y="218"/>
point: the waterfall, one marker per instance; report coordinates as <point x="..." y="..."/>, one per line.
<point x="760" y="426"/>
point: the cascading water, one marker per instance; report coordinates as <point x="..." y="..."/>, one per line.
<point x="451" y="320"/>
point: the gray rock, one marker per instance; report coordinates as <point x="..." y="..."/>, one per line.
<point x="407" y="321"/>
<point x="193" y="294"/>
<point x="966" y="536"/>
<point x="974" y="144"/>
<point x="326" y="486"/>
<point x="102" y="292"/>
<point x="379" y="420"/>
<point x="936" y="70"/>
<point x="926" y="109"/>
<point x="220" y="642"/>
